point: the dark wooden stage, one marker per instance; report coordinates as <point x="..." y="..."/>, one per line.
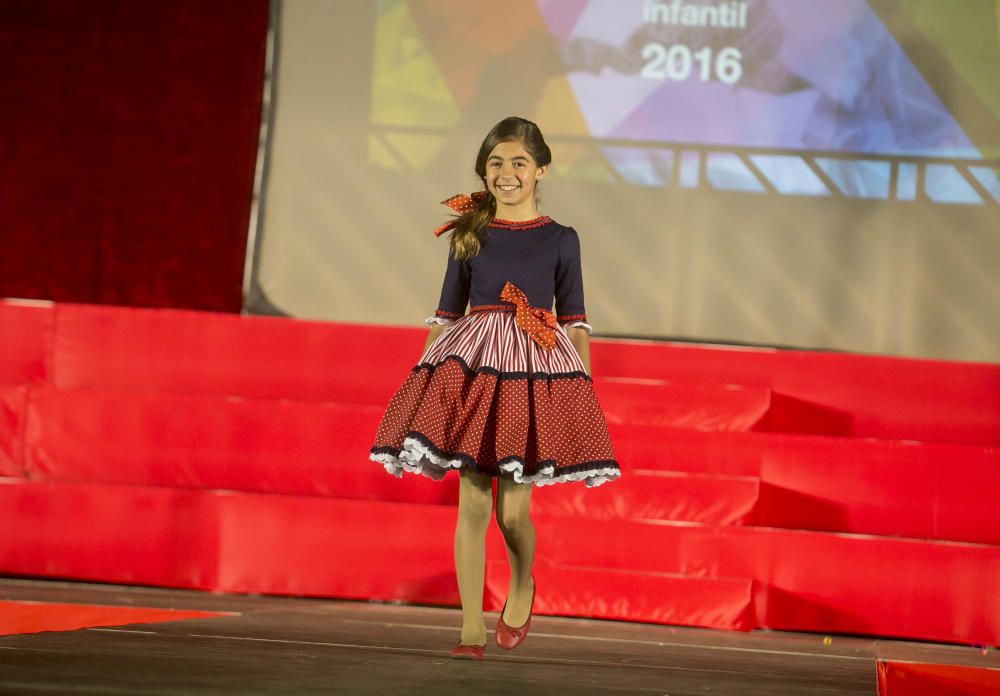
<point x="303" y="646"/>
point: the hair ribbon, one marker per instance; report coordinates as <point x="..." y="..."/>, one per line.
<point x="462" y="204"/>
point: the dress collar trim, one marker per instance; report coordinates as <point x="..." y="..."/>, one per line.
<point x="522" y="225"/>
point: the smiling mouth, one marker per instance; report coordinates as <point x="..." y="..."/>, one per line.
<point x="507" y="188"/>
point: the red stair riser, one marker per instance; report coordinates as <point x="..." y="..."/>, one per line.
<point x="25" y="342"/>
<point x="715" y="407"/>
<point x="268" y="446"/>
<point x="199" y="352"/>
<point x="219" y="354"/>
<point x="625" y="596"/>
<point x="298" y="545"/>
<point x="12" y="423"/>
<point x="719" y="500"/>
<point x="888" y="397"/>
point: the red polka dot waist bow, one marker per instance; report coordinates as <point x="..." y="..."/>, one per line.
<point x="540" y="324"/>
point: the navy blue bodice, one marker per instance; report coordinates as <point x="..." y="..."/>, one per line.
<point x="540" y="256"/>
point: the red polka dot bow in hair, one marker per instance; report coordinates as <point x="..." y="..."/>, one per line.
<point x="539" y="324"/>
<point x="461" y="204"/>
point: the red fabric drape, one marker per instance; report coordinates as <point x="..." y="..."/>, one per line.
<point x="128" y="136"/>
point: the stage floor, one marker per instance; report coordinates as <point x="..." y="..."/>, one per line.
<point x="277" y="645"/>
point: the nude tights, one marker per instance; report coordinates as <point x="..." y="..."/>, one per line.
<point x="475" y="503"/>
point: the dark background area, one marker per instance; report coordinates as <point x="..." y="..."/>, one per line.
<point x="128" y="137"/>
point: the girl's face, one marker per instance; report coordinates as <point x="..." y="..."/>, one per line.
<point x="511" y="175"/>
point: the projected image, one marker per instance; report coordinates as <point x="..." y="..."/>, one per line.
<point x="780" y="96"/>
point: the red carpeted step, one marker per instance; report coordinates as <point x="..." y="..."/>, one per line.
<point x="920" y="679"/>
<point x="258" y="445"/>
<point x="12" y="405"/>
<point x="886" y="396"/>
<point x="655" y="495"/>
<point x="811" y="581"/>
<point x="713" y="406"/>
<point x="26" y="329"/>
<point x="222" y="354"/>
<point x="356" y="549"/>
<point x="125" y="534"/>
<point x="308" y="448"/>
<point x="788" y="414"/>
<point x="697" y="407"/>
<point x="887" y="488"/>
<point x="286" y="544"/>
<point x="867" y="486"/>
<point x="198" y="352"/>
<point x="622" y="595"/>
<point x="218" y="540"/>
<point x="699" y="452"/>
<point x="161" y="397"/>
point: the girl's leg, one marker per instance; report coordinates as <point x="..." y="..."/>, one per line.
<point x="514" y="520"/>
<point x="475" y="503"/>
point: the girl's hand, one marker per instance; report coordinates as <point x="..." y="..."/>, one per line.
<point x="436" y="330"/>
<point x="581" y="341"/>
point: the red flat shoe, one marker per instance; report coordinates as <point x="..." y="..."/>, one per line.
<point x="508" y="637"/>
<point x="468" y="652"/>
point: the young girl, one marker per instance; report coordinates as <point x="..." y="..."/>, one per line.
<point x="504" y="391"/>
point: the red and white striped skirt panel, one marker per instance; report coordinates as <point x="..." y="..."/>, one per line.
<point x="493" y="340"/>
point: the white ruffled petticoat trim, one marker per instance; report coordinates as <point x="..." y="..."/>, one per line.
<point x="417" y="458"/>
<point x="544" y="477"/>
<point x="412" y="459"/>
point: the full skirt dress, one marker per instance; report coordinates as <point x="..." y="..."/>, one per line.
<point x="486" y="397"/>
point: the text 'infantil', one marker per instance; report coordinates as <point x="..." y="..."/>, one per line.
<point x="726" y="15"/>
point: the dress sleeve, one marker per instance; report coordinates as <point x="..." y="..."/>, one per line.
<point x="570" y="310"/>
<point x="454" y="292"/>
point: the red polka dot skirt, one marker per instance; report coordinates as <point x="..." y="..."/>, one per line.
<point x="486" y="397"/>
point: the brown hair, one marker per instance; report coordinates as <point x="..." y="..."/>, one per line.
<point x="467" y="234"/>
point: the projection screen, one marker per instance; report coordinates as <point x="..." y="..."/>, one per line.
<point x="818" y="174"/>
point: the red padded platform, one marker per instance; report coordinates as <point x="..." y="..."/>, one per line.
<point x="223" y="354"/>
<point x="26" y="331"/>
<point x="809" y="580"/>
<point x="227" y="541"/>
<point x="137" y="535"/>
<point x="714" y="406"/>
<point x="909" y="489"/>
<point x="220" y="452"/>
<point x="919" y="679"/>
<point x="671" y="449"/>
<point x="13" y="401"/>
<point x="875" y="487"/>
<point x="189" y="441"/>
<point x="633" y="596"/>
<point x="228" y="355"/>
<point x="868" y="486"/>
<point x="887" y="397"/>
<point x="655" y="495"/>
<point x="340" y="548"/>
<point x="320" y="546"/>
<point x="657" y="403"/>
<point x="310" y="448"/>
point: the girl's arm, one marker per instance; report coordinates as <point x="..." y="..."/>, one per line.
<point x="581" y="341"/>
<point x="454" y="298"/>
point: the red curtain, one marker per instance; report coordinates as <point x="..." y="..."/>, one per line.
<point x="128" y="137"/>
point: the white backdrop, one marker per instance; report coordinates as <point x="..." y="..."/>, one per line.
<point x="364" y="145"/>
